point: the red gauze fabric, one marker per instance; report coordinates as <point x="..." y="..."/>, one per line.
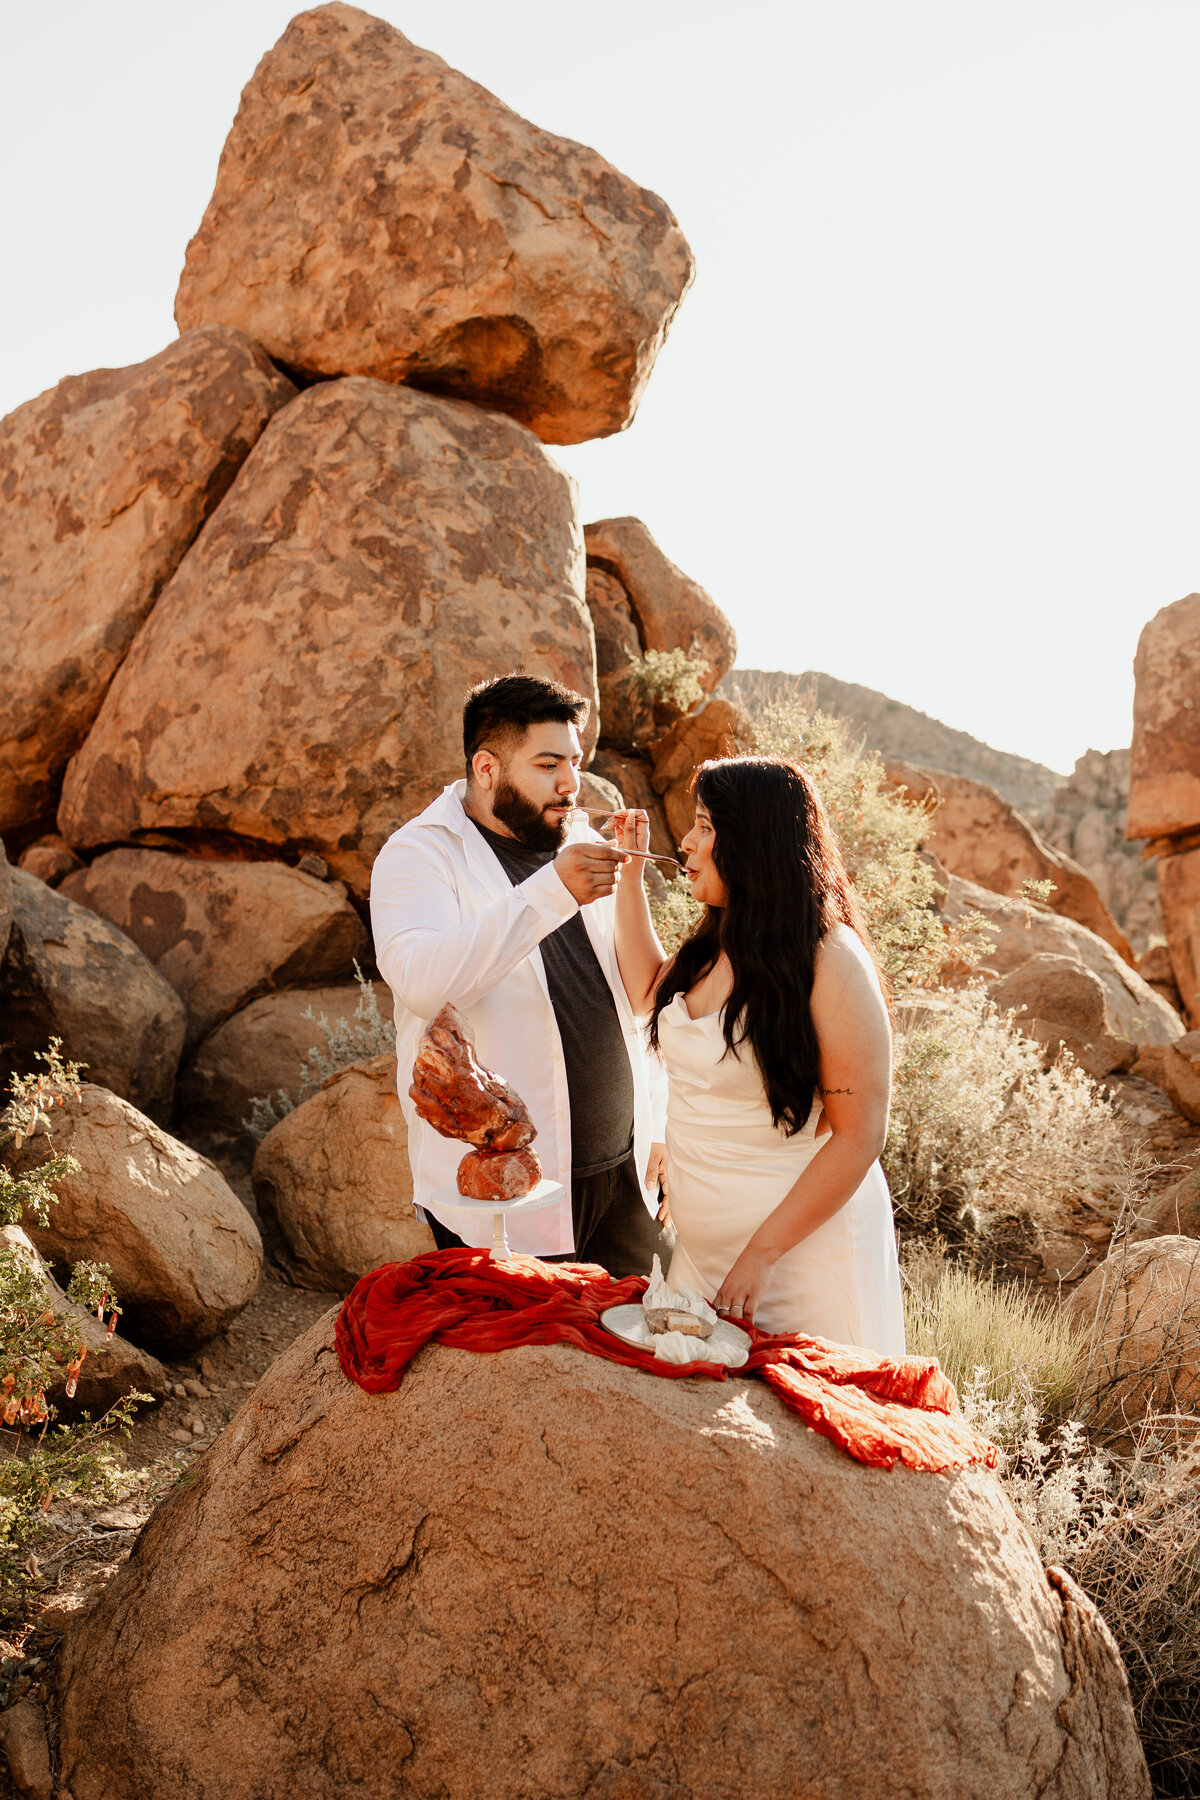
<point x="881" y="1410"/>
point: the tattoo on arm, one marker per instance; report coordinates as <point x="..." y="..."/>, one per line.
<point x="837" y="1090"/>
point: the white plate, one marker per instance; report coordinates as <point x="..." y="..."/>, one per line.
<point x="546" y="1193"/>
<point x="629" y="1324"/>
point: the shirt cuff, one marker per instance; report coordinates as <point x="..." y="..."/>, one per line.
<point x="547" y="893"/>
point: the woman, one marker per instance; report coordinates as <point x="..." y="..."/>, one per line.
<point x="774" y="1029"/>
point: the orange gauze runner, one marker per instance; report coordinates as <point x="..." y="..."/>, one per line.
<point x="881" y="1410"/>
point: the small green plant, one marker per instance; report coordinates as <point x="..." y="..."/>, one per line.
<point x="669" y="675"/>
<point x="366" y="1033"/>
<point x="675" y="913"/>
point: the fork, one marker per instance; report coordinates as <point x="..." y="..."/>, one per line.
<point x="606" y="812"/>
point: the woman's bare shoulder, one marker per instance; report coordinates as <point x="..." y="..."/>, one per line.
<point x="843" y="961"/>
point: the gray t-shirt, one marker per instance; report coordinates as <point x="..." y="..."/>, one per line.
<point x="599" y="1078"/>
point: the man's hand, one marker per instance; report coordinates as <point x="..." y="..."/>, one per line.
<point x="656" y="1176"/>
<point x="589" y="871"/>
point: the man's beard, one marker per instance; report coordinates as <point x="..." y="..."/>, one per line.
<point x="526" y="821"/>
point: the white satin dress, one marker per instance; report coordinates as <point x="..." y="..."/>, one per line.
<point x="728" y="1167"/>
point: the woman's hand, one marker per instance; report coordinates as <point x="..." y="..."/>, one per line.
<point x="632" y="829"/>
<point x="743" y="1288"/>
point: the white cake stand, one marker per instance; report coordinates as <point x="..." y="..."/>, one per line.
<point x="546" y="1193"/>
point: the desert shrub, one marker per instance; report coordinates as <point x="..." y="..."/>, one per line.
<point x="366" y="1033"/>
<point x="1002" y="1341"/>
<point x="670" y="675"/>
<point x="979" y="1129"/>
<point x="674" y="912"/>
<point x="39" y="1348"/>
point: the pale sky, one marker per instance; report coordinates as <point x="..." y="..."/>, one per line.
<point x="924" y="421"/>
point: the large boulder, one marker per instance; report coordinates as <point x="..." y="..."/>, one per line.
<point x="104" y="482"/>
<point x="261" y="1053"/>
<point x="1139" y="1314"/>
<point x="1020" y="931"/>
<point x="224" y="932"/>
<point x="1063" y="1005"/>
<point x="976" y="834"/>
<point x="1179" y="897"/>
<point x="539" y="1573"/>
<point x="112" y="1368"/>
<point x="669" y="609"/>
<point x="717" y="728"/>
<point x="1164" y="758"/>
<point x="184" y="1252"/>
<point x="336" y="1176"/>
<point x="377" y="213"/>
<point x="300" y="682"/>
<point x="72" y="975"/>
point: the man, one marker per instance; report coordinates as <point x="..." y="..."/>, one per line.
<point x="497" y="900"/>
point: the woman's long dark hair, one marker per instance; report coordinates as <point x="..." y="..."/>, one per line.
<point x="787" y="887"/>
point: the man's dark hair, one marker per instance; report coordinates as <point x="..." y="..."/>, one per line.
<point x="498" y="713"/>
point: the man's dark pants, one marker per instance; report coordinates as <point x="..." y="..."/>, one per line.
<point x="612" y="1225"/>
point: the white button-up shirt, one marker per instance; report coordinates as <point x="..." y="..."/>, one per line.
<point x="449" y="926"/>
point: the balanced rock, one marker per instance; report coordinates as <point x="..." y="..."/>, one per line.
<point x="300" y="681"/>
<point x="1140" y="1315"/>
<point x="1063" y="1005"/>
<point x="549" y="1564"/>
<point x="1022" y="930"/>
<point x="112" y="1368"/>
<point x="669" y="609"/>
<point x="335" y="1174"/>
<point x="717" y="728"/>
<point x="224" y="932"/>
<point x="263" y="1051"/>
<point x="976" y="834"/>
<point x="71" y="975"/>
<point x="377" y="213"/>
<point x="1164" y="757"/>
<point x="49" y="858"/>
<point x="184" y="1252"/>
<point x="1179" y="896"/>
<point x="104" y="482"/>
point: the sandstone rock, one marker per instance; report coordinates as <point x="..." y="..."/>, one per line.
<point x="224" y="932"/>
<point x="717" y="728"/>
<point x="976" y="834"/>
<point x="262" y="1052"/>
<point x="1175" y="1067"/>
<point x="377" y="213"/>
<point x="632" y="777"/>
<point x="6" y="911"/>
<point x="1164" y="758"/>
<point x="335" y="1174"/>
<point x="1086" y="816"/>
<point x="104" y="482"/>
<point x="49" y="858"/>
<point x="1175" y="1212"/>
<point x="72" y="975"/>
<point x="559" y="1570"/>
<point x="1140" y="1311"/>
<point x="669" y="609"/>
<point x="595" y="792"/>
<point x="112" y="1368"/>
<point x="1155" y="967"/>
<point x="1179" y="895"/>
<point x="300" y="682"/>
<point x="626" y="713"/>
<point x="1062" y="1004"/>
<point x="184" y="1252"/>
<point x="1136" y="1013"/>
<point x="23" y="1741"/>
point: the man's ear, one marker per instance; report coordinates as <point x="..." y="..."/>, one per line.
<point x="485" y="767"/>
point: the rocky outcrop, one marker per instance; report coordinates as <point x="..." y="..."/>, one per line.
<point x="542" y="1535"/>
<point x="1086" y="817"/>
<point x="1174" y="1212"/>
<point x="1063" y="1004"/>
<point x="222" y="933"/>
<point x="1179" y="896"/>
<point x="104" y="482"/>
<point x="184" y="1252"/>
<point x="300" y="681"/>
<point x="976" y="834"/>
<point x="669" y="610"/>
<point x="377" y="213"/>
<point x="1021" y="931"/>
<point x="1140" y="1315"/>
<point x="335" y="1174"/>
<point x="112" y="1368"/>
<point x="49" y="858"/>
<point x="1164" y="758"/>
<point x="1175" y="1068"/>
<point x="262" y="1051"/>
<point x="72" y="975"/>
<point x="626" y="710"/>
<point x="717" y="728"/>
